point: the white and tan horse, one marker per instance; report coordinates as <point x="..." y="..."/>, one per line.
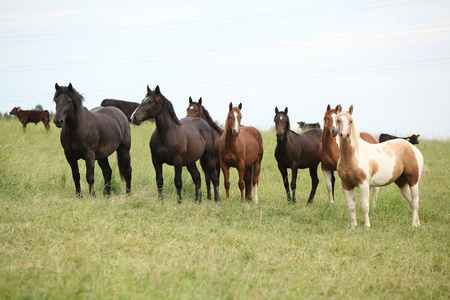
<point x="364" y="165"/>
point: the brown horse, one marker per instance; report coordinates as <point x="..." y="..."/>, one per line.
<point x="241" y="148"/>
<point x="92" y="135"/>
<point x="329" y="150"/>
<point x="296" y="151"/>
<point x="178" y="143"/>
<point x="197" y="110"/>
<point x="364" y="165"/>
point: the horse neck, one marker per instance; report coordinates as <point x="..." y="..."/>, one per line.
<point x="166" y="121"/>
<point x="78" y="116"/>
<point x="327" y="139"/>
<point x="350" y="149"/>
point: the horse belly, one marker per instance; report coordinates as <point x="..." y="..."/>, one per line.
<point x="384" y="170"/>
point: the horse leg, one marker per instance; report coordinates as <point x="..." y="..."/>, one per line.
<point x="284" y="175"/>
<point x="411" y="194"/>
<point x="75" y="175"/>
<point x="376" y="191"/>
<point x="195" y="174"/>
<point x="329" y="178"/>
<point x="248" y="183"/>
<point x="178" y="182"/>
<point x="255" y="178"/>
<point x="159" y="177"/>
<point x="226" y="179"/>
<point x="106" y="170"/>
<point x="206" y="171"/>
<point x="314" y="182"/>
<point x="214" y="176"/>
<point x="90" y="164"/>
<point x="294" y="171"/>
<point x="124" y="162"/>
<point x="365" y="193"/>
<point x="241" y="171"/>
<point x="24" y="126"/>
<point x="350" y="196"/>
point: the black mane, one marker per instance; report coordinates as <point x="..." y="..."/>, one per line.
<point x="209" y="119"/>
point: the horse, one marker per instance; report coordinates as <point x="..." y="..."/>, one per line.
<point x="329" y="151"/>
<point x="296" y="151"/>
<point x="197" y="110"/>
<point x="126" y="107"/>
<point x="178" y="143"/>
<point x="92" y="135"/>
<point x="305" y="126"/>
<point x="364" y="165"/>
<point x="241" y="147"/>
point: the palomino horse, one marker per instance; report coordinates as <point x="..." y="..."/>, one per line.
<point x="364" y="165"/>
<point x="329" y="150"/>
<point x="197" y="110"/>
<point x="92" y="135"/>
<point x="241" y="148"/>
<point x="178" y="143"/>
<point x="296" y="151"/>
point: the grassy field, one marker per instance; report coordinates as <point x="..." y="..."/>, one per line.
<point x="57" y="246"/>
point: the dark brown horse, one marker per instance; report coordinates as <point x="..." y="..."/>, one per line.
<point x="296" y="151"/>
<point x="197" y="110"/>
<point x="241" y="148"/>
<point x="329" y="152"/>
<point x="92" y="135"/>
<point x="178" y="143"/>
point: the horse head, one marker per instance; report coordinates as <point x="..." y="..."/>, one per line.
<point x="345" y="123"/>
<point x="234" y="117"/>
<point x="150" y="106"/>
<point x="194" y="109"/>
<point x="329" y="120"/>
<point x="281" y="123"/>
<point x="67" y="99"/>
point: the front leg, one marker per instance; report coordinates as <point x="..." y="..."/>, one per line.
<point x="178" y="182"/>
<point x="294" y="183"/>
<point x="284" y="175"/>
<point x="365" y="192"/>
<point x="75" y="174"/>
<point x="349" y="195"/>
<point x="314" y="182"/>
<point x="241" y="172"/>
<point x="226" y="179"/>
<point x="159" y="177"/>
<point x="106" y="170"/>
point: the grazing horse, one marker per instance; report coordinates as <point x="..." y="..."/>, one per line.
<point x="197" y="110"/>
<point x="364" y="165"/>
<point x="241" y="148"/>
<point x="329" y="150"/>
<point x="92" y="135"/>
<point x="178" y="143"/>
<point x="296" y="151"/>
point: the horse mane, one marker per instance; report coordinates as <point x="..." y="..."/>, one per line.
<point x="210" y="120"/>
<point x="166" y="103"/>
<point x="72" y="92"/>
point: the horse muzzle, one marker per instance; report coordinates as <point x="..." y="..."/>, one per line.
<point x="58" y="123"/>
<point x="333" y="132"/>
<point x="280" y="136"/>
<point x="235" y="133"/>
<point x="344" y="138"/>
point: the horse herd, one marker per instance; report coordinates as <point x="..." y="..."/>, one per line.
<point x="357" y="157"/>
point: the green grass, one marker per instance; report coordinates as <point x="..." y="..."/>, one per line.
<point x="55" y="245"/>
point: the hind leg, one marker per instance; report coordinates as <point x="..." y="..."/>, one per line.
<point x="411" y="194"/>
<point x="124" y="162"/>
<point x="107" y="171"/>
<point x="248" y="183"/>
<point x="376" y="191"/>
<point x="350" y="196"/>
<point x="226" y="179"/>
<point x="314" y="182"/>
<point x="195" y="174"/>
<point x="255" y="177"/>
<point x="207" y="172"/>
<point x="159" y="177"/>
<point x="90" y="164"/>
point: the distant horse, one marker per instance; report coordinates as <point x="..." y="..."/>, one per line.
<point x="197" y="110"/>
<point x="413" y="139"/>
<point x="31" y="116"/>
<point x="92" y="135"/>
<point x="241" y="148"/>
<point x="296" y="151"/>
<point x="305" y="126"/>
<point x="178" y="143"/>
<point x="329" y="150"/>
<point x="126" y="107"/>
<point x="364" y="165"/>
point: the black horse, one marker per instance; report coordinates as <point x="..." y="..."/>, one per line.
<point x="178" y="143"/>
<point x="92" y="135"/>
<point x="296" y="151"/>
<point x="126" y="107"/>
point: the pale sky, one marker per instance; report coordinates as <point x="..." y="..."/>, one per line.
<point x="389" y="58"/>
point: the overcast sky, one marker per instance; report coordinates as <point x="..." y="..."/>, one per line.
<point x="389" y="58"/>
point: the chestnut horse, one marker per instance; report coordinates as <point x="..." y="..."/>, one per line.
<point x="197" y="110"/>
<point x="364" y="165"/>
<point x="296" y="151"/>
<point x="178" y="143"/>
<point x="92" y="135"/>
<point x="329" y="150"/>
<point x="241" y="148"/>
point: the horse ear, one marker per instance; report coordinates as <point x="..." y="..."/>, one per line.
<point x="276" y="110"/>
<point x="240" y="106"/>
<point x="200" y="101"/>
<point x="190" y="100"/>
<point x="70" y="87"/>
<point x="286" y="110"/>
<point x="350" y="110"/>
<point x="57" y="86"/>
<point x="339" y="108"/>
<point x="231" y="105"/>
<point x="157" y="91"/>
<point x="328" y="107"/>
<point x="148" y="90"/>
